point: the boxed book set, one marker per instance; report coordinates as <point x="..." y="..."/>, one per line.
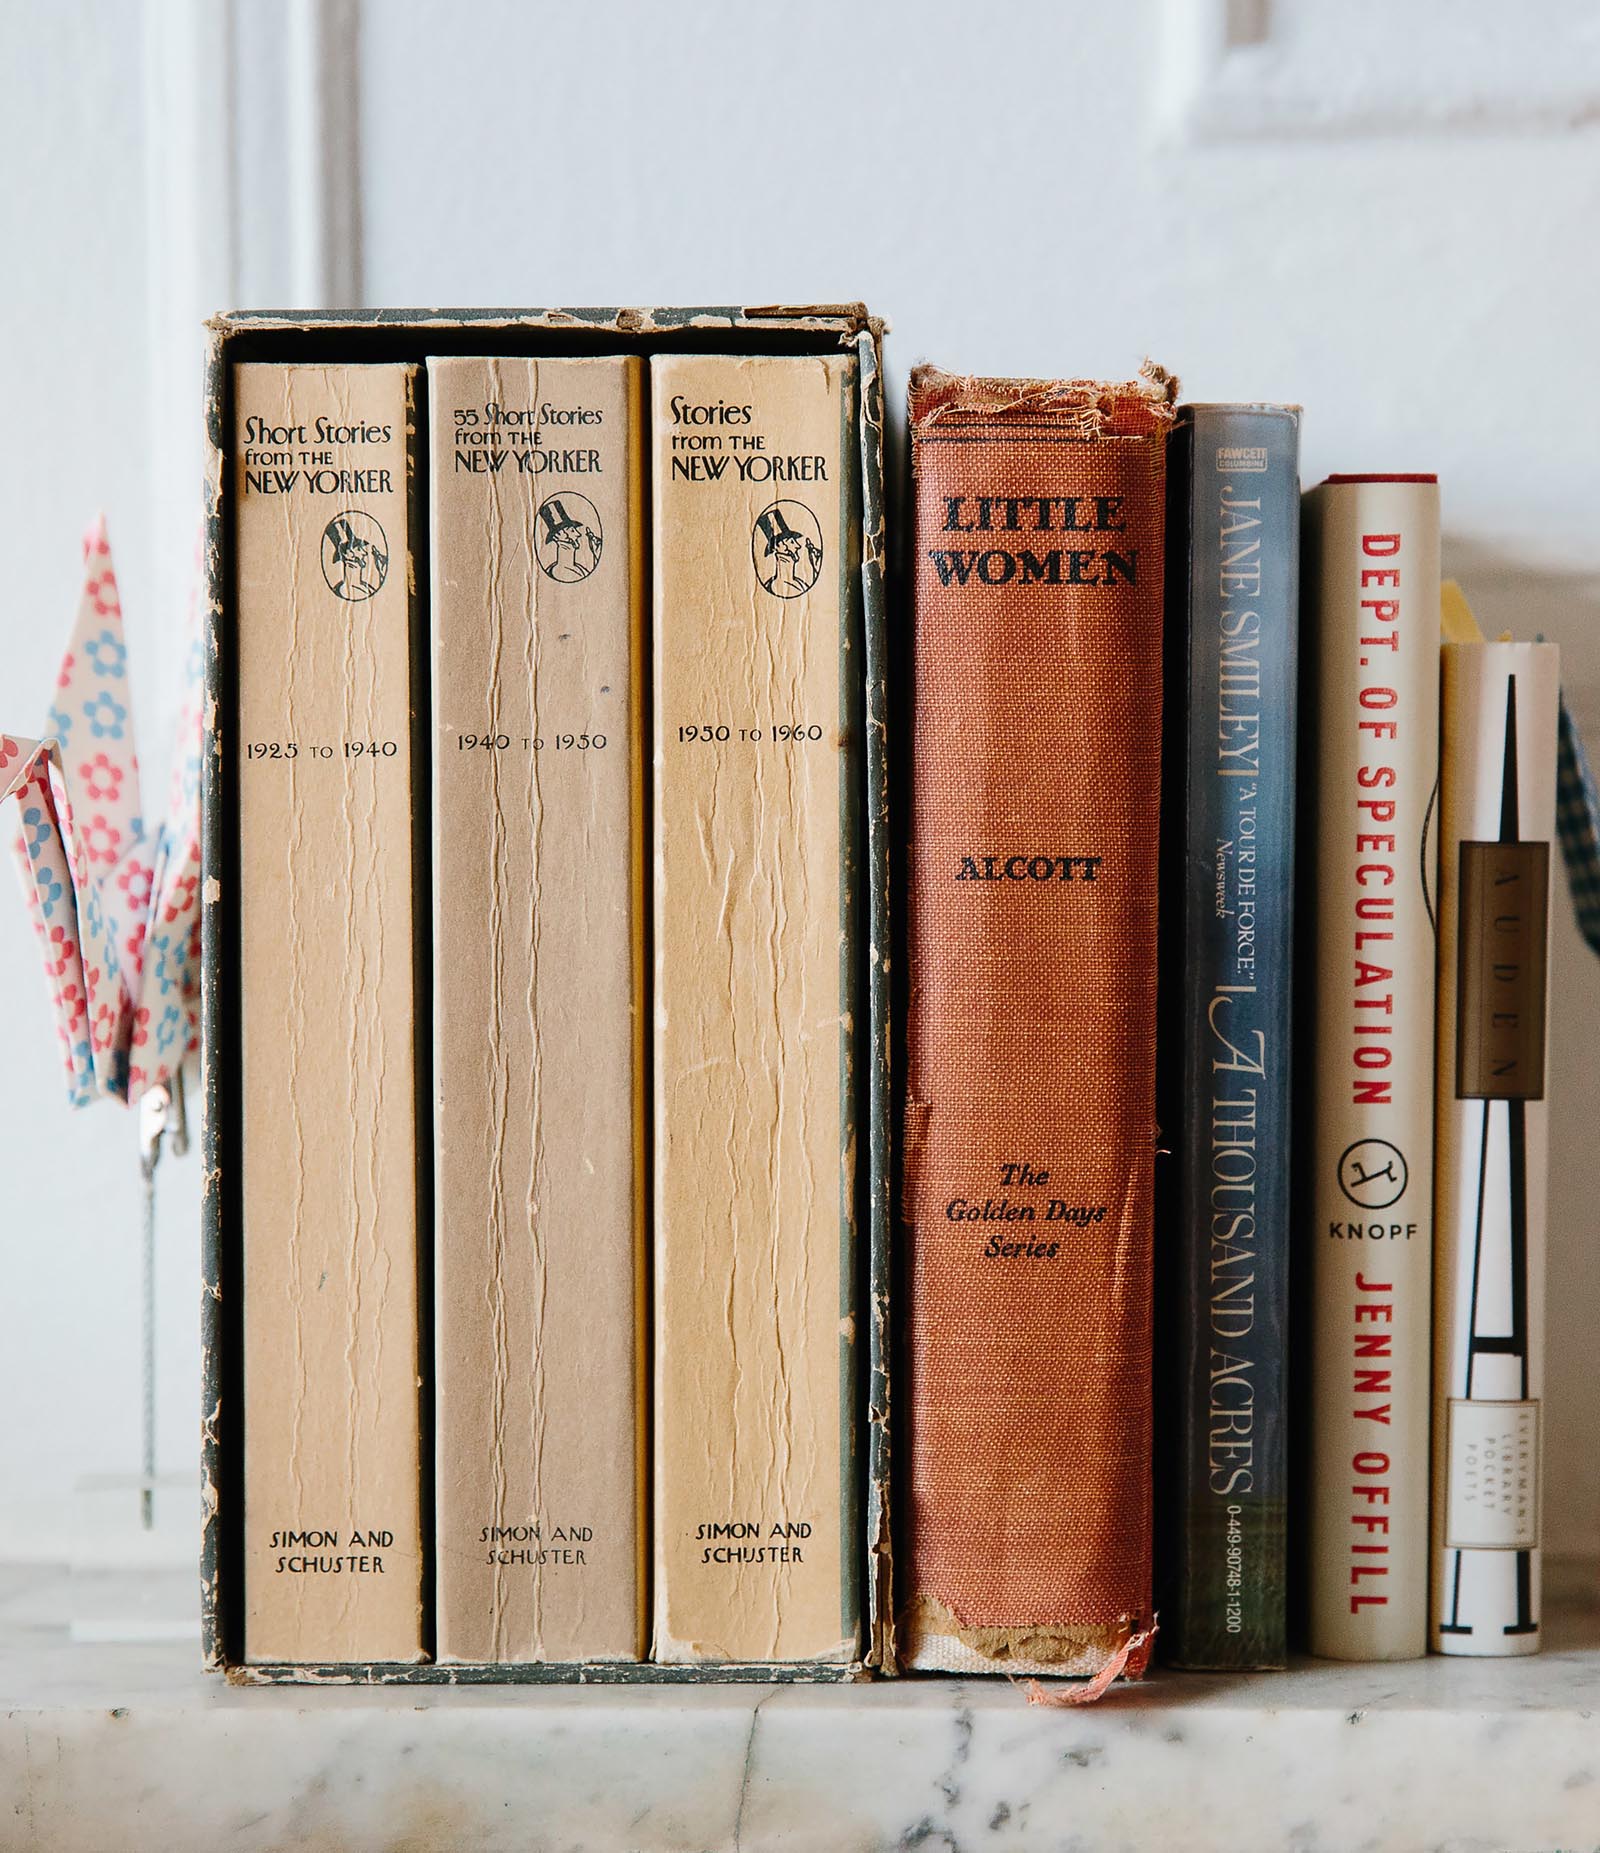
<point x="545" y="997"/>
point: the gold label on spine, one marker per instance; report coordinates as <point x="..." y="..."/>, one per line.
<point x="1500" y="998"/>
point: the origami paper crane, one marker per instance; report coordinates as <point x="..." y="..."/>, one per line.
<point x="115" y="902"/>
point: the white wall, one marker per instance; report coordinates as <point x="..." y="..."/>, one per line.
<point x="1388" y="219"/>
<point x="74" y="437"/>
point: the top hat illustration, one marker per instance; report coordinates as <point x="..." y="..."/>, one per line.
<point x="776" y="529"/>
<point x="355" y="555"/>
<point x="557" y="521"/>
<point x="346" y="542"/>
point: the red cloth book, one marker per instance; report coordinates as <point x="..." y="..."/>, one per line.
<point x="1030" y="1115"/>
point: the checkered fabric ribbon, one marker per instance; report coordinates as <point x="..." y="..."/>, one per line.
<point x="1578" y="825"/>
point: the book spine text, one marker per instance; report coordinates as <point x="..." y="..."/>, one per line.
<point x="327" y="632"/>
<point x="1371" y="722"/>
<point x="536" y="555"/>
<point x="757" y="754"/>
<point x="1236" y="506"/>
<point x="1029" y="1133"/>
<point x="1497" y="822"/>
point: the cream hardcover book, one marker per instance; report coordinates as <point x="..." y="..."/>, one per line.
<point x="537" y="553"/>
<point x="1497" y="829"/>
<point x="756" y="561"/>
<point x="1370" y="647"/>
<point x="328" y="879"/>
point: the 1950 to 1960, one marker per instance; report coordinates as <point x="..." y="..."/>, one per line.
<point x="780" y="733"/>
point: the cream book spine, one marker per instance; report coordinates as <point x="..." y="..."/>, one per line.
<point x="537" y="560"/>
<point x="328" y="945"/>
<point x="1371" y="731"/>
<point x="757" y="744"/>
<point x="1497" y="828"/>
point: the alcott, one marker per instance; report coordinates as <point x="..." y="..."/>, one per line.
<point x="1028" y="868"/>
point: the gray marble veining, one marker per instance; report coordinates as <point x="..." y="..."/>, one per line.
<point x="119" y="1749"/>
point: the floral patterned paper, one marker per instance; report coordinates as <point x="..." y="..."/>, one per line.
<point x="115" y="903"/>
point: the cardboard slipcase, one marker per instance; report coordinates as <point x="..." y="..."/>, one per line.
<point x="414" y="335"/>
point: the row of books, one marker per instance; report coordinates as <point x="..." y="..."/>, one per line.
<point x="1225" y="971"/>
<point x="537" y="553"/>
<point x="1327" y="991"/>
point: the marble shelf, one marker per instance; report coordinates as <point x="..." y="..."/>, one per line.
<point x="124" y="1748"/>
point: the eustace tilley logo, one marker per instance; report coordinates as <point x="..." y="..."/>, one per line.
<point x="355" y="556"/>
<point x="786" y="546"/>
<point x="569" y="539"/>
